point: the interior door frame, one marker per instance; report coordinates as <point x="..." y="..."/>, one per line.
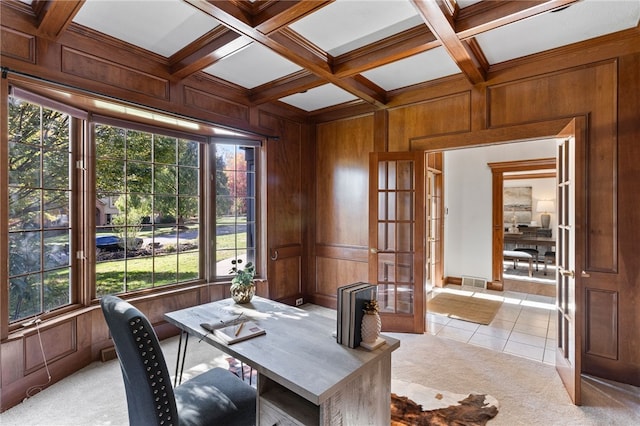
<point x="497" y="216"/>
<point x="550" y="129"/>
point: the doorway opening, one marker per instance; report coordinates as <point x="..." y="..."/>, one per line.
<point x="525" y="326"/>
<point x="524" y="195"/>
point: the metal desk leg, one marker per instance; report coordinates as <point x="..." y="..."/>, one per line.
<point x="180" y="365"/>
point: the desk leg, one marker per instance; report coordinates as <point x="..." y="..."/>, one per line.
<point x="181" y="353"/>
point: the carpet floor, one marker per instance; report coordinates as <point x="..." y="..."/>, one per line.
<point x="528" y="392"/>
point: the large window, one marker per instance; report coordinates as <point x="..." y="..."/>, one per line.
<point x="147" y="209"/>
<point x="159" y="220"/>
<point x="39" y="200"/>
<point x="235" y="205"/>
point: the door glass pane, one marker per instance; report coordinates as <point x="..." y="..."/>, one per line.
<point x="386" y="236"/>
<point x="404" y="267"/>
<point x="386" y="267"/>
<point x="404" y="242"/>
<point x="405" y="205"/>
<point x="405" y="299"/>
<point x="405" y="175"/>
<point x="386" y="298"/>
<point x="386" y="175"/>
<point x="382" y="206"/>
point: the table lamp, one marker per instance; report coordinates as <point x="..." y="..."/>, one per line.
<point x="544" y="207"/>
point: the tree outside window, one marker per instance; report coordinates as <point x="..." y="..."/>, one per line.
<point x="39" y="200"/>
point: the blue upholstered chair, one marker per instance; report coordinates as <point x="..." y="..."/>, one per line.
<point x="216" y="397"/>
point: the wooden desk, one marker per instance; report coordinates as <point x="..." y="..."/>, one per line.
<point x="304" y="376"/>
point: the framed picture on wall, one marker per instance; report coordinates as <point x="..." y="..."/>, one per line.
<point x="517" y="202"/>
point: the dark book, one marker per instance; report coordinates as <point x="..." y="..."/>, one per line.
<point x="343" y="311"/>
<point x="239" y="332"/>
<point x="358" y="298"/>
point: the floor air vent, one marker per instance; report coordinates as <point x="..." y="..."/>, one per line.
<point x="474" y="282"/>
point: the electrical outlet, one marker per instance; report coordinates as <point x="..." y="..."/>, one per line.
<point x="299" y="301"/>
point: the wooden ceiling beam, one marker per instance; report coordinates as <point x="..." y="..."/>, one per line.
<point x="55" y="16"/>
<point x="441" y="25"/>
<point x="205" y="51"/>
<point x="280" y="14"/>
<point x="486" y="16"/>
<point x="286" y="47"/>
<point x="289" y="85"/>
<point x="399" y="46"/>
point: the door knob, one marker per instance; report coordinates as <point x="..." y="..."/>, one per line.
<point x="567" y="273"/>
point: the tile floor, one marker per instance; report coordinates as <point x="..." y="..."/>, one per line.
<point x="524" y="326"/>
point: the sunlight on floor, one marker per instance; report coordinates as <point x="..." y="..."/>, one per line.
<point x="525" y="324"/>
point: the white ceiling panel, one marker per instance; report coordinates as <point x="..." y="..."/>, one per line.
<point x="429" y="65"/>
<point x="581" y="21"/>
<point x="160" y="26"/>
<point x="346" y="25"/>
<point x="252" y="66"/>
<point x="319" y="97"/>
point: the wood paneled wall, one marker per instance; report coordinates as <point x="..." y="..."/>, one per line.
<point x="341" y="237"/>
<point x="601" y="84"/>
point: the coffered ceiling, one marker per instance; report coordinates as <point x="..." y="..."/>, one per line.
<point x="315" y="55"/>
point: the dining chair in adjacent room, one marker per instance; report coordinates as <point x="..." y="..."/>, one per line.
<point x="216" y="397"/>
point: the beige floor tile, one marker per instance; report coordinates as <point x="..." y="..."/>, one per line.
<point x="524" y="350"/>
<point x="532" y="329"/>
<point x="503" y="324"/>
<point x="488" y="330"/>
<point x="528" y="339"/>
<point x="463" y="325"/>
<point x="455" y="334"/>
<point x="487" y="341"/>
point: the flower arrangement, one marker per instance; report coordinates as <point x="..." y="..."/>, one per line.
<point x="242" y="276"/>
<point x="371" y="307"/>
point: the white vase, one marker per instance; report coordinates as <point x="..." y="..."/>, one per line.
<point x="371" y="326"/>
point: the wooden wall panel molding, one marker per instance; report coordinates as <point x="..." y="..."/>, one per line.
<point x="333" y="273"/>
<point x="342" y="157"/>
<point x="204" y="101"/>
<point x="94" y="68"/>
<point x="269" y="122"/>
<point x="288" y="281"/>
<point x="354" y="254"/>
<point x="601" y="326"/>
<point x="18" y="45"/>
<point x="58" y="341"/>
<point x="586" y="89"/>
<point x="441" y="116"/>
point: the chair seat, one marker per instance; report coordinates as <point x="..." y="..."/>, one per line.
<point x="533" y="252"/>
<point x="216" y="397"/>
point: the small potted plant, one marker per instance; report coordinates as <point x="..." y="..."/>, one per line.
<point x="371" y="323"/>
<point x="242" y="287"/>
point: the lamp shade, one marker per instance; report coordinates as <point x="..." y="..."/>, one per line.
<point x="545" y="206"/>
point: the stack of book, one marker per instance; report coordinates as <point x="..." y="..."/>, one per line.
<point x="350" y="310"/>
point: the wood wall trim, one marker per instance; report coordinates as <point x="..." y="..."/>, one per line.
<point x="18" y="45"/>
<point x="94" y="68"/>
<point x="530" y="176"/>
<point x="514" y="133"/>
<point x="354" y="254"/>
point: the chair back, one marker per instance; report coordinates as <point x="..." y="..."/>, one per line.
<point x="150" y="396"/>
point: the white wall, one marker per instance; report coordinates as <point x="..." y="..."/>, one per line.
<point x="467" y="200"/>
